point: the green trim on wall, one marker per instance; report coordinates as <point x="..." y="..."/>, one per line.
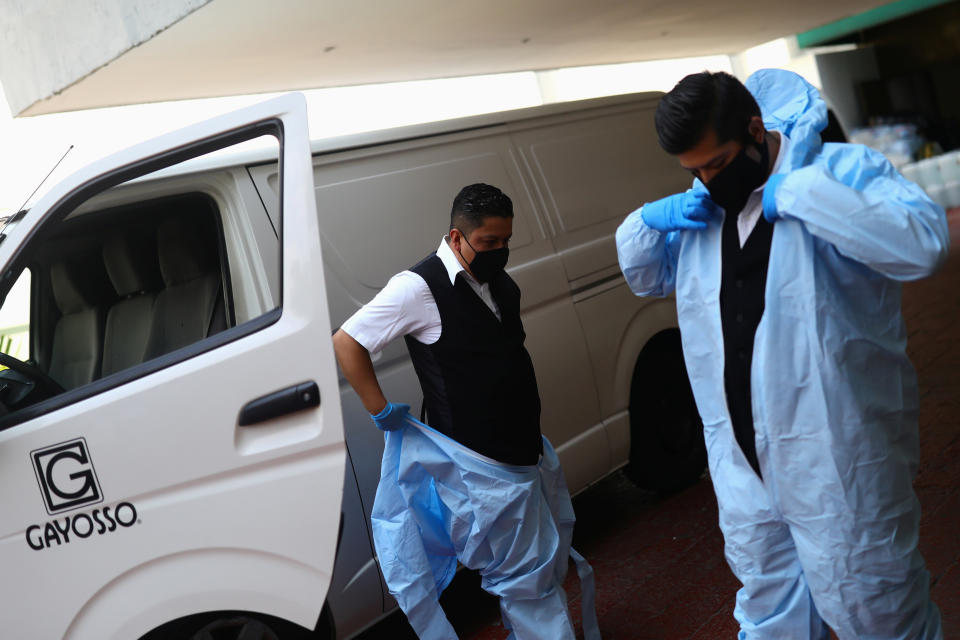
<point x="864" y="20"/>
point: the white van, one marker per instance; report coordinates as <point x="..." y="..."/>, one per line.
<point x="179" y="456"/>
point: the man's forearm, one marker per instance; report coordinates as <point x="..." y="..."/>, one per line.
<point x="358" y="370"/>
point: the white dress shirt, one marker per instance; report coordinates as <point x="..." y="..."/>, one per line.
<point x="407" y="307"/>
<point x="752" y="211"/>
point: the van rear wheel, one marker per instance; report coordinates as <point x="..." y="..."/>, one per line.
<point x="667" y="451"/>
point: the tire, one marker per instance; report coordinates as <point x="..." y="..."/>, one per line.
<point x="233" y="625"/>
<point x="667" y="452"/>
<point x="237" y="628"/>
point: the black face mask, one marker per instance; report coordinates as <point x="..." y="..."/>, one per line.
<point x="733" y="185"/>
<point x="486" y="264"/>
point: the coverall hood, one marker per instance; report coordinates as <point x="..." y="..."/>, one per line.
<point x="791" y="105"/>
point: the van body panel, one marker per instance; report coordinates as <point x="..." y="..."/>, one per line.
<point x="356" y="594"/>
<point x="617" y="429"/>
<point x="220" y="576"/>
<point x="620" y="324"/>
<point x="583" y="455"/>
<point x="613" y="149"/>
<point x="357" y="199"/>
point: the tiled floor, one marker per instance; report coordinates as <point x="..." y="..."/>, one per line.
<point x="659" y="561"/>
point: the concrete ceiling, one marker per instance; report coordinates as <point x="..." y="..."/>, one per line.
<point x="228" y="47"/>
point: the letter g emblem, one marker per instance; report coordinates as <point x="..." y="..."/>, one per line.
<point x="66" y="476"/>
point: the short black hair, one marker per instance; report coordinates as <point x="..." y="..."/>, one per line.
<point x="702" y="101"/>
<point x="476" y="202"/>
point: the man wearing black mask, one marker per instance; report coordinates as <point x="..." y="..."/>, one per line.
<point x="786" y="257"/>
<point x="487" y="490"/>
<point x="459" y="313"/>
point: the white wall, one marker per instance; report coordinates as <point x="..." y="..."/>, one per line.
<point x="577" y="83"/>
<point x="839" y="72"/>
<point x="783" y="53"/>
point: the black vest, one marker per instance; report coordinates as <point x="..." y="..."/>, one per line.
<point x="742" y="290"/>
<point x="478" y="382"/>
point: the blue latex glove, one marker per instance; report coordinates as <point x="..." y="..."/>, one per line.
<point x="392" y="417"/>
<point x="770" y="197"/>
<point x="689" y="210"/>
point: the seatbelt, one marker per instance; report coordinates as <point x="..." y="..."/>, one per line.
<point x="217" y="301"/>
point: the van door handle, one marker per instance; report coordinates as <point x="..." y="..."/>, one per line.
<point x="305" y="395"/>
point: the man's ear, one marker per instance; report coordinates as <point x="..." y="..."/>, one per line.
<point x="756" y="129"/>
<point x="455" y="238"/>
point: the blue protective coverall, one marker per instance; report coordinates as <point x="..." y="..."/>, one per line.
<point x="439" y="502"/>
<point x="830" y="533"/>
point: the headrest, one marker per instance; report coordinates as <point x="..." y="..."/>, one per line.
<point x="131" y="264"/>
<point x="182" y="257"/>
<point x="67" y="291"/>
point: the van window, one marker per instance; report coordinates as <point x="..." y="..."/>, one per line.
<point x="15" y="319"/>
<point x="138" y="277"/>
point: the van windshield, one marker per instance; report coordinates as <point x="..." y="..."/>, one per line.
<point x="15" y="319"/>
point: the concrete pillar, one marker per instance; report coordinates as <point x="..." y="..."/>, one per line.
<point x="47" y="45"/>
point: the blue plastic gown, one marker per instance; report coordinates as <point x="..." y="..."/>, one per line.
<point x="439" y="502"/>
<point x="830" y="533"/>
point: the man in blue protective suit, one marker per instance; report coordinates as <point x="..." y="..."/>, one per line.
<point x="786" y="257"/>
<point x="480" y="484"/>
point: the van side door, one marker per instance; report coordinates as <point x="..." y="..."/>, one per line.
<point x="186" y="454"/>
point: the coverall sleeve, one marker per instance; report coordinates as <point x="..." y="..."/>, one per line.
<point x="647" y="257"/>
<point x="870" y="213"/>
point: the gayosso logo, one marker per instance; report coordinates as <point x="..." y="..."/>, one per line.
<point x="68" y="481"/>
<point x="66" y="476"/>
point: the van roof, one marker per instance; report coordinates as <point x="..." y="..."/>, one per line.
<point x="399" y="134"/>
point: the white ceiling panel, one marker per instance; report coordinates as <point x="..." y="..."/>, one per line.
<point x="229" y="47"/>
